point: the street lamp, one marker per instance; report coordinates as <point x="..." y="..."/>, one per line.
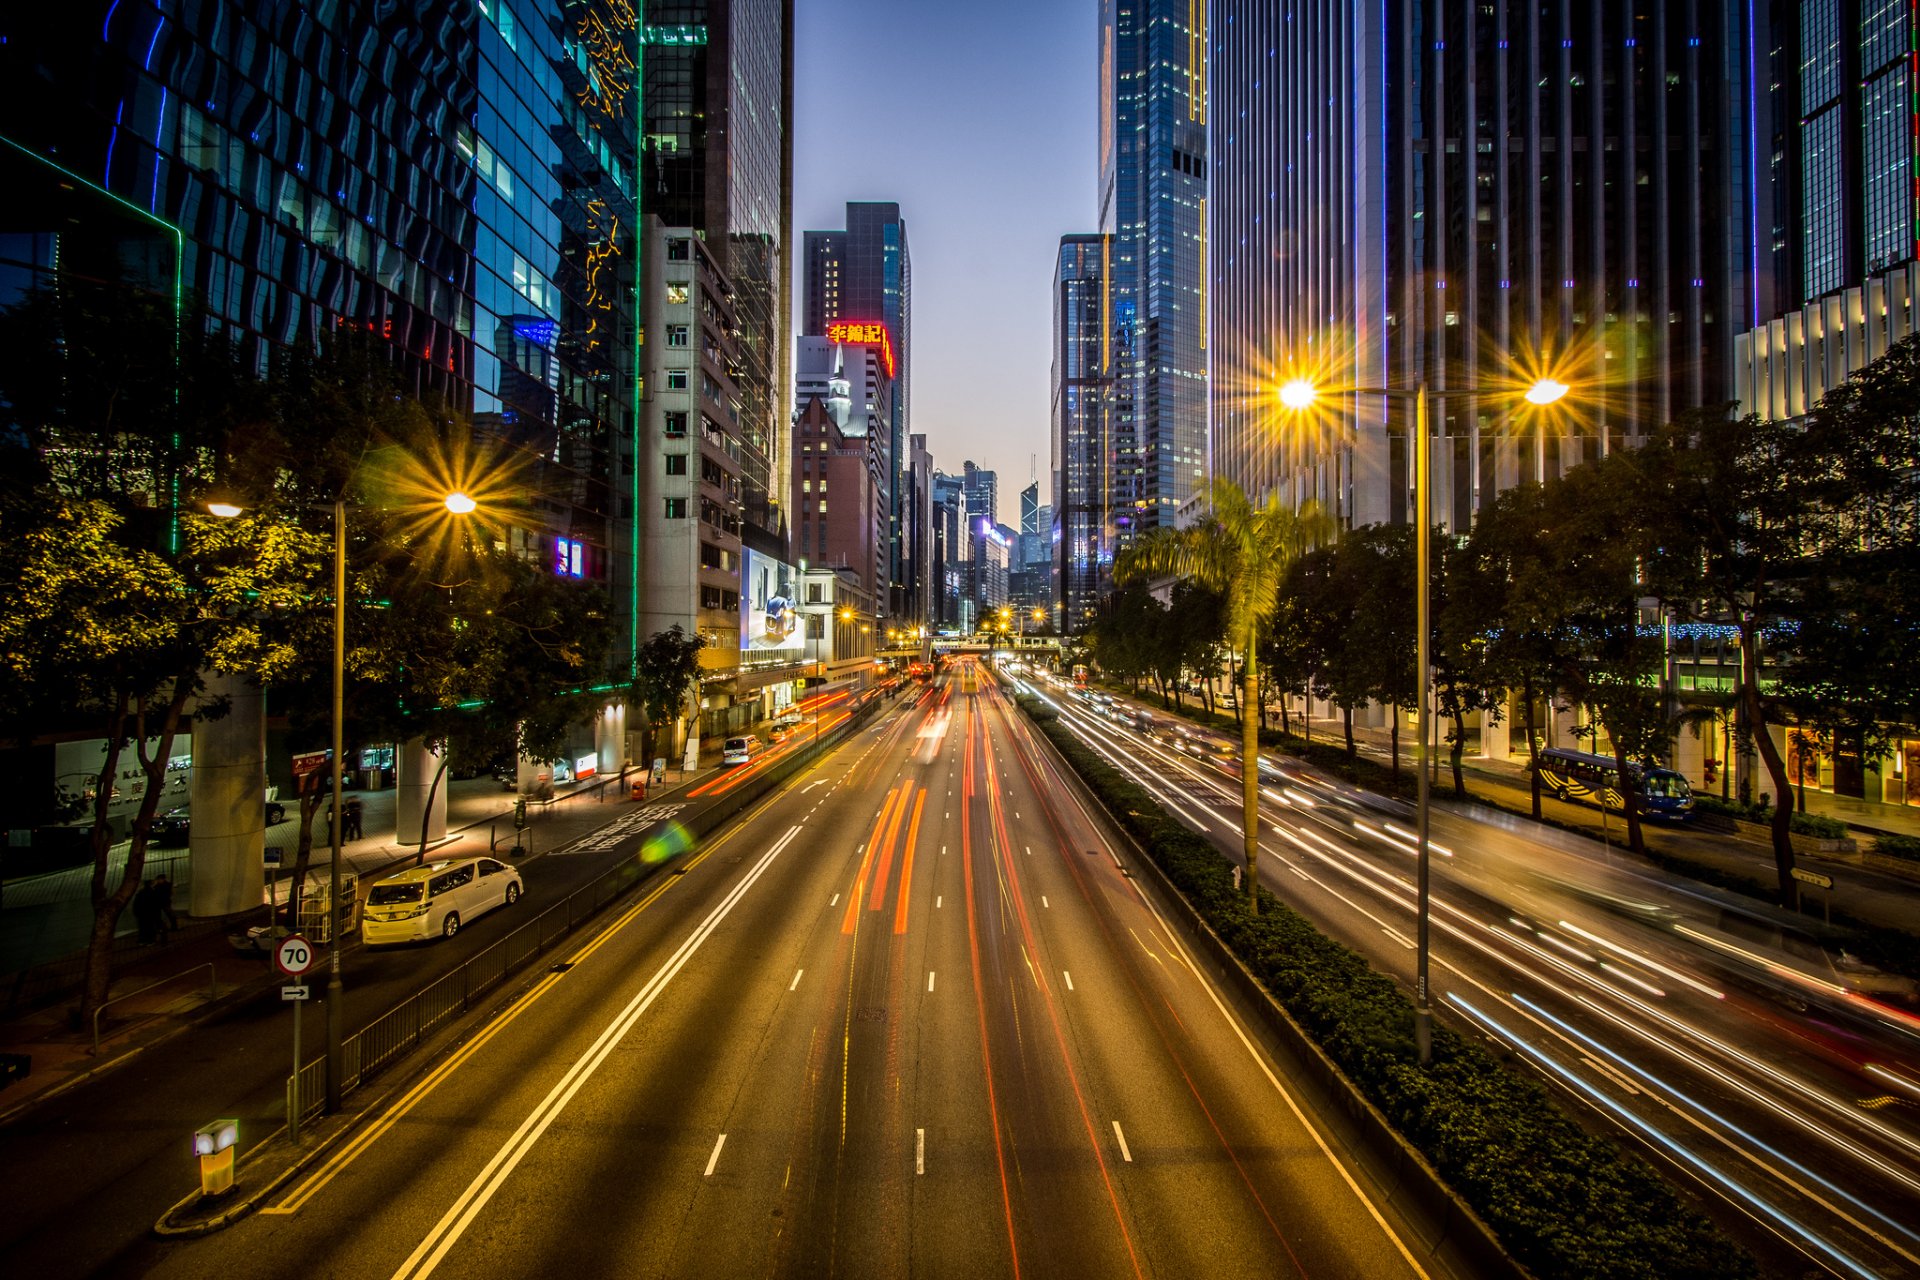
<point x="1297" y="395"/>
<point x="221" y="505"/>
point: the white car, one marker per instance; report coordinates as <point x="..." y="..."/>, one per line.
<point x="436" y="899"/>
<point x="736" y="751"/>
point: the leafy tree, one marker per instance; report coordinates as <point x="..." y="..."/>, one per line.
<point x="1325" y="591"/>
<point x="1379" y="644"/>
<point x="1466" y="676"/>
<point x="1244" y="552"/>
<point x="1529" y="603"/>
<point x="1125" y="633"/>
<point x="665" y="672"/>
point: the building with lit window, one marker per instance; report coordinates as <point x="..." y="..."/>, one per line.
<point x="864" y="275"/>
<point x="1838" y="216"/>
<point x="1091" y="492"/>
<point x="1473" y="196"/>
<point x="840" y="516"/>
<point x="1153" y="200"/>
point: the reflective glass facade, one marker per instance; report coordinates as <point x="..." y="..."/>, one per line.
<point x="1840" y="117"/>
<point x="1153" y="187"/>
<point x="1086" y="506"/>
<point x="1470" y="195"/>
<point x="456" y="177"/>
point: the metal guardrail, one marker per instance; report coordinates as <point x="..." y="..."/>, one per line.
<point x="213" y="993"/>
<point x="397" y="1032"/>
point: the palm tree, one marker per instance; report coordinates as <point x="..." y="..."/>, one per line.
<point x="1243" y="552"/>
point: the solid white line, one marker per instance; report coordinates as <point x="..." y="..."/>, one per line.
<point x="447" y="1232"/>
<point x="1068" y="977"/>
<point x="714" y="1159"/>
<point x="796" y="979"/>
<point x="929" y="979"/>
<point x="919" y="1151"/>
<point x="1399" y="937"/>
<point x="1124" y="1153"/>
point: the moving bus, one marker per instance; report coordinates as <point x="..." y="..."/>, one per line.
<point x="1657" y="793"/>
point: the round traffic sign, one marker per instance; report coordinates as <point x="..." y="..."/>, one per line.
<point x="294" y="955"/>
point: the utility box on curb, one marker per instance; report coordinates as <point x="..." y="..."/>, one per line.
<point x="217" y="1145"/>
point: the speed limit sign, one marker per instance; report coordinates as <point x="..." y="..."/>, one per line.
<point x="293" y="956"/>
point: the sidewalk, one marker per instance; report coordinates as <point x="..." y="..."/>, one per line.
<point x="62" y="1054"/>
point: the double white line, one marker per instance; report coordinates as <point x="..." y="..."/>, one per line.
<point x="450" y="1228"/>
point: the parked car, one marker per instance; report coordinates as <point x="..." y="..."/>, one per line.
<point x="438" y="898"/>
<point x="737" y="751"/>
<point x="174" y="826"/>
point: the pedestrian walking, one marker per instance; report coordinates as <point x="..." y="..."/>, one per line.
<point x="163" y="900"/>
<point x="350" y="820"/>
<point x="146" y="914"/>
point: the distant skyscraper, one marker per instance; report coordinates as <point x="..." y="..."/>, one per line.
<point x="983" y="494"/>
<point x="1153" y="189"/>
<point x="1839" y="282"/>
<point x="1090" y="493"/>
<point x="861" y="274"/>
<point x="1472" y="195"/>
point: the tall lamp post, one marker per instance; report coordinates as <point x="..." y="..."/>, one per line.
<point x="1299" y="395"/>
<point x="459" y="504"/>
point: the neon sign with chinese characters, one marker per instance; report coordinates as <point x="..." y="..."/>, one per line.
<point x="864" y="333"/>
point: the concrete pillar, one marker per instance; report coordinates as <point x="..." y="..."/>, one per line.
<point x="416" y="765"/>
<point x="1496" y="736"/>
<point x="228" y="792"/>
<point x="610" y="737"/>
<point x="1689" y="753"/>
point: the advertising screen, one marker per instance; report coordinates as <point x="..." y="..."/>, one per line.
<point x="770" y="624"/>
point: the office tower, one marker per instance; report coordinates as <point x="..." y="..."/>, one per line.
<point x="918" y="513"/>
<point x="1090" y="494"/>
<point x="864" y="274"/>
<point x="1837" y="219"/>
<point x="841" y="515"/>
<point x="719" y="160"/>
<point x="1153" y="189"/>
<point x="1473" y="196"/>
<point x="983" y="493"/>
<point x="952" y="552"/>
<point x="455" y="179"/>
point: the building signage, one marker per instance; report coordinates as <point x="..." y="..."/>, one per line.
<point x="770" y="624"/>
<point x="864" y="333"/>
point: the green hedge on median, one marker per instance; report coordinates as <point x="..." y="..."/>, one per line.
<point x="1566" y="1204"/>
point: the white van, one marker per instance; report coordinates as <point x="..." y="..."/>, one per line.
<point x="437" y="898"/>
<point x="737" y="751"/>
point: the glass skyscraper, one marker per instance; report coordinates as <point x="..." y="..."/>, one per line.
<point x="1474" y="196"/>
<point x="456" y="176"/>
<point x="1153" y="188"/>
<point x="1089" y="493"/>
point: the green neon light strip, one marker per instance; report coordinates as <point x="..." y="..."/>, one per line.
<point x="179" y="294"/>
<point x="639" y="286"/>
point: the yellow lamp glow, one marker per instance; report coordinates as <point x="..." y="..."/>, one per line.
<point x="225" y="510"/>
<point x="1546" y="391"/>
<point x="460" y="504"/>
<point x="1298" y="394"/>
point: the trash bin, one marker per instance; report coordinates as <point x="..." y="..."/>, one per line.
<point x="373" y="779"/>
<point x="639" y="789"/>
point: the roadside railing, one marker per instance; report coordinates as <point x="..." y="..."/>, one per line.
<point x="213" y="993"/>
<point x="401" y="1029"/>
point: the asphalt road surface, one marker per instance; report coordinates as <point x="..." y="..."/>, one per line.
<point x="911" y="1017"/>
<point x="1755" y="1069"/>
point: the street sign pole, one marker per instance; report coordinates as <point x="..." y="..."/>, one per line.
<point x="293" y="957"/>
<point x="293" y="1094"/>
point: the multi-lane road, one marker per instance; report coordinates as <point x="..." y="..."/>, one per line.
<point x="1745" y="1059"/>
<point x="911" y="1016"/>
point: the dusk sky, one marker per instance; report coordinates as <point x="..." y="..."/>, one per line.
<point x="979" y="120"/>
